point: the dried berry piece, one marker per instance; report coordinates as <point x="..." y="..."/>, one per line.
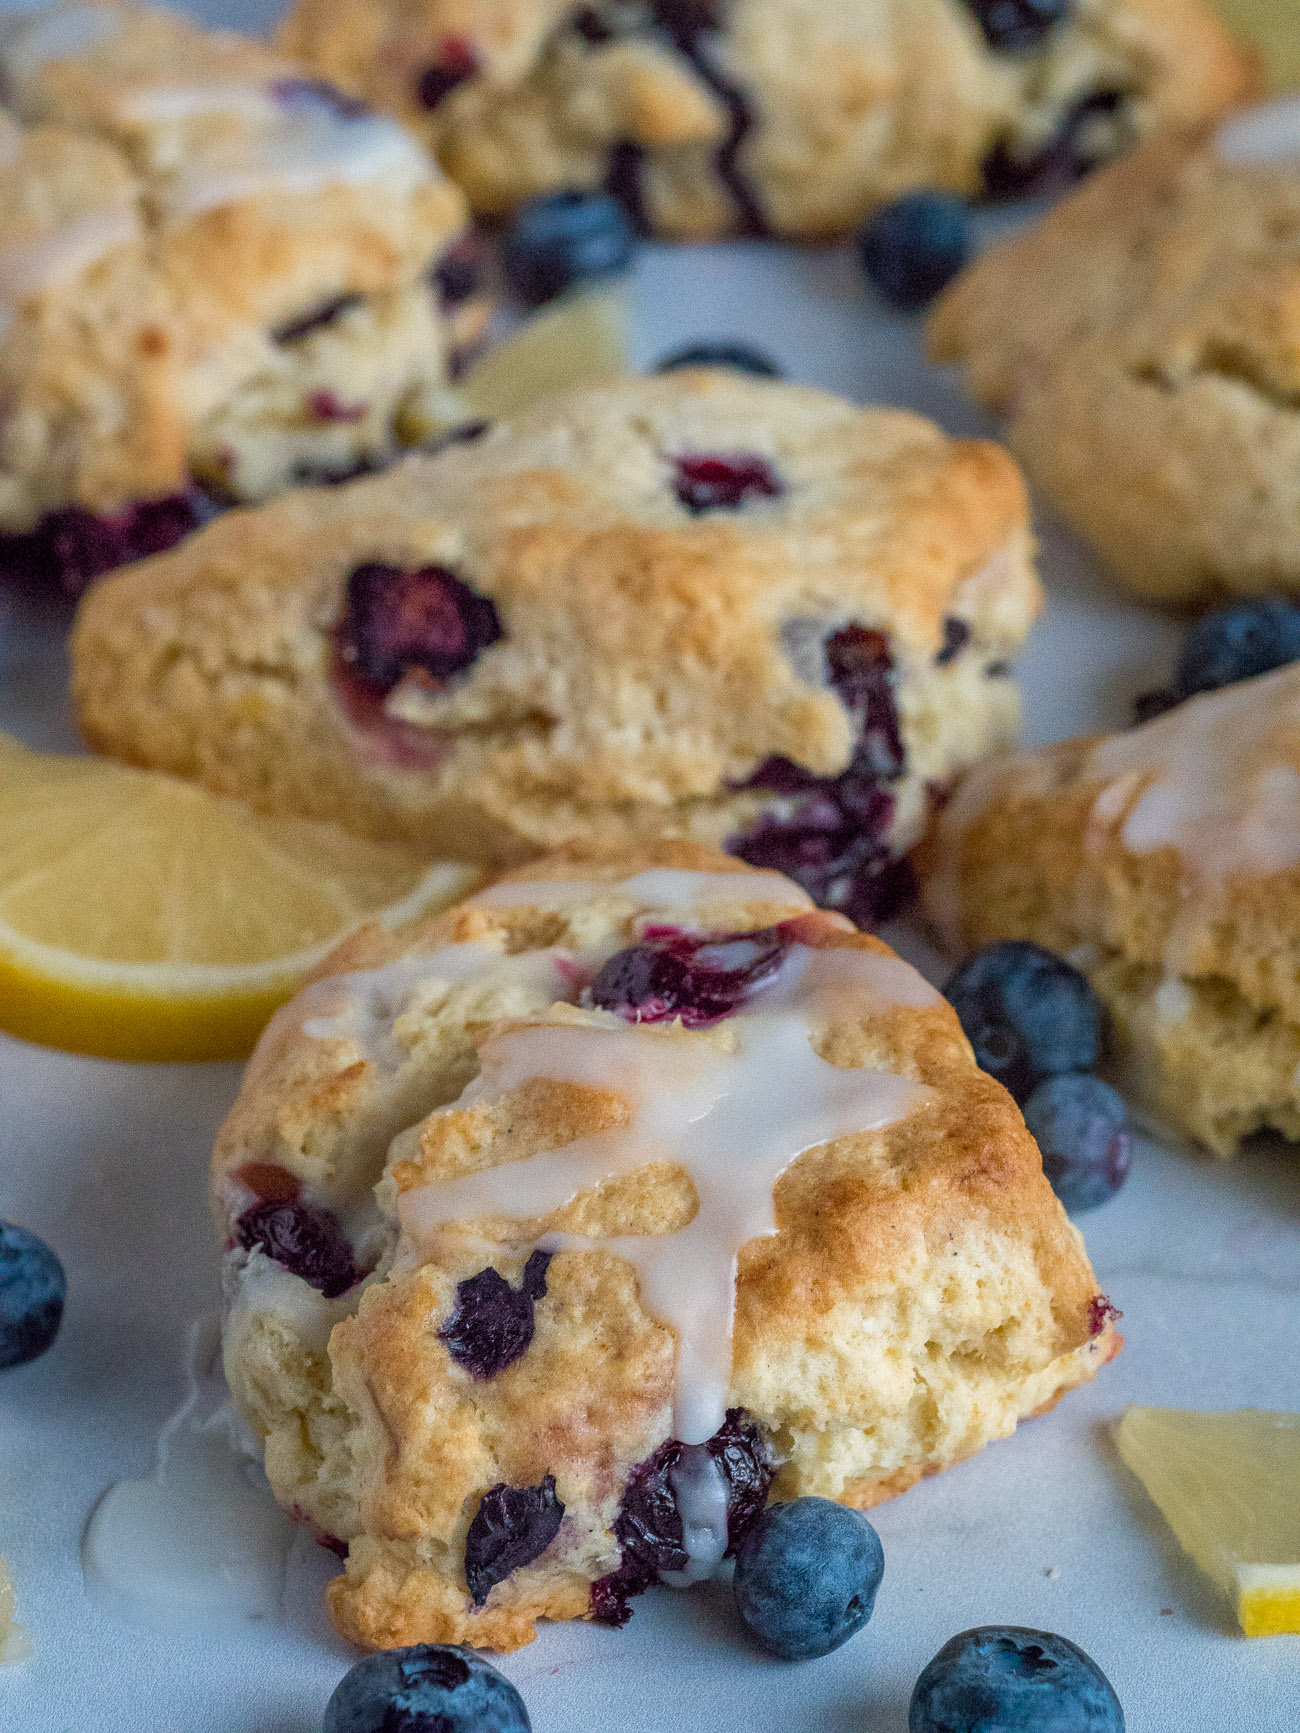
<point x="72" y="547"/>
<point x="316" y="318"/>
<point x="513" y="1526"/>
<point x="724" y="483"/>
<point x="833" y="839"/>
<point x="1078" y="145"/>
<point x="456" y="62"/>
<point x="648" y="1526"/>
<point x="492" y="1325"/>
<point x="956" y="636"/>
<point x="674" y="974"/>
<point x="395" y="622"/>
<point x="305" y="1239"/>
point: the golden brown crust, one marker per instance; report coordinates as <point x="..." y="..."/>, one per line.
<point x="178" y="239"/>
<point x="1200" y="979"/>
<point x="1145" y="329"/>
<point x="923" y="1291"/>
<point x="847" y="105"/>
<point x="651" y="658"/>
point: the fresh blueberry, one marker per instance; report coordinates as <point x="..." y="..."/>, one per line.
<point x="1004" y="1679"/>
<point x="1081" y="1126"/>
<point x="1011" y="25"/>
<point x="1237" y="642"/>
<point x="1027" y="1014"/>
<point x="564" y="239"/>
<point x="915" y="247"/>
<point x="806" y="1577"/>
<point x="32" y="1291"/>
<point x="739" y="357"/>
<point x="431" y="1688"/>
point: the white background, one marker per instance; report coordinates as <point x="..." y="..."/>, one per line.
<point x="1045" y="1529"/>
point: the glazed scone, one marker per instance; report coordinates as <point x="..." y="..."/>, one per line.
<point x="1165" y="863"/>
<point x="213" y="270"/>
<point x="1140" y="342"/>
<point x="495" y="1186"/>
<point x="710" y="117"/>
<point x="702" y="605"/>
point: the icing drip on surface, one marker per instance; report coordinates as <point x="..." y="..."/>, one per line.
<point x="1262" y="135"/>
<point x="1217" y="780"/>
<point x="301" y="154"/>
<point x="363" y="1007"/>
<point x="659" y="888"/>
<point x="733" y="1120"/>
<point x="703" y="1497"/>
<point x="200" y="1542"/>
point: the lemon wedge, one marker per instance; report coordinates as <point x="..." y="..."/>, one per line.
<point x="578" y="340"/>
<point x="14" y="1644"/>
<point x="1270" y="26"/>
<point x="1228" y="1484"/>
<point x="142" y="918"/>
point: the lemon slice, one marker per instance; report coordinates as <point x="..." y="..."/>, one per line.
<point x="1270" y="26"/>
<point x="580" y="339"/>
<point x="1229" y="1486"/>
<point x="14" y="1644"/>
<point x="142" y="918"/>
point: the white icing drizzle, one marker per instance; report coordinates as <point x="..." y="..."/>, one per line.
<point x="28" y="267"/>
<point x="30" y="41"/>
<point x="658" y="888"/>
<point x="1217" y="780"/>
<point x="181" y="102"/>
<point x="362" y="1008"/>
<point x="199" y="1543"/>
<point x="703" y="1495"/>
<point x="301" y="154"/>
<point x="734" y="1120"/>
<point x="1267" y="134"/>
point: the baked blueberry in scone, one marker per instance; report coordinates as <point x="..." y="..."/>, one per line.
<point x="701" y="605"/>
<point x="1165" y="863"/>
<point x="217" y="276"/>
<point x="1139" y="341"/>
<point x="662" y="1193"/>
<point x="713" y="117"/>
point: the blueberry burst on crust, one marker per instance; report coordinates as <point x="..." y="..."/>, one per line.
<point x="567" y="1229"/>
<point x="713" y="117"/>
<point x="707" y="604"/>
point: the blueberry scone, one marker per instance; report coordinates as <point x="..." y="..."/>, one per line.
<point x="215" y="273"/>
<point x="1140" y="342"/>
<point x="1165" y="863"/>
<point x="705" y="606"/>
<point x="565" y="1229"/>
<point x="710" y="117"/>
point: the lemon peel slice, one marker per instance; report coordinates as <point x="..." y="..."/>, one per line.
<point x="1228" y="1484"/>
<point x="143" y="918"/>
